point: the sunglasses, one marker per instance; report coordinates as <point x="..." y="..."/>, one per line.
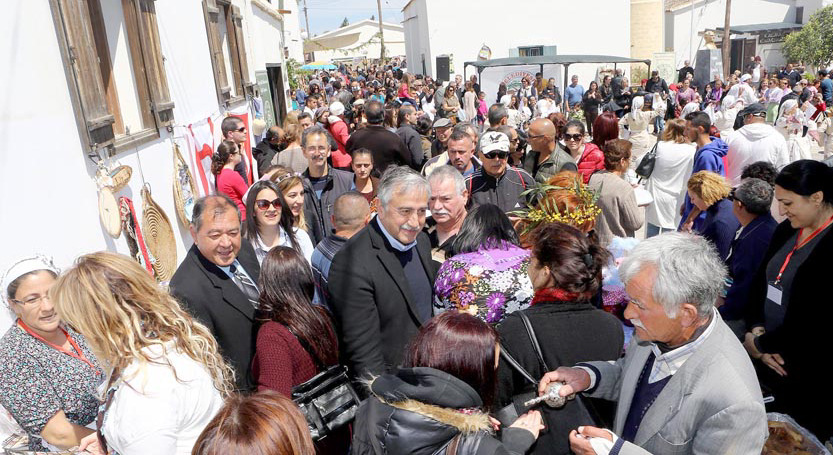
<point x="496" y="154"/>
<point x="242" y="129"/>
<point x="263" y="204"/>
<point x="572" y="137"/>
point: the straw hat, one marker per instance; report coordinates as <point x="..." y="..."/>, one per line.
<point x="159" y="237"/>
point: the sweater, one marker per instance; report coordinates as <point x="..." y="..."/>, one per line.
<point x="747" y="253"/>
<point x="232" y="185"/>
<point x="620" y="216"/>
<point x="720" y="226"/>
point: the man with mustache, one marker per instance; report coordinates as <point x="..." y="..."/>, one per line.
<point x="448" y="210"/>
<point x="685" y="384"/>
<point x="380" y="282"/>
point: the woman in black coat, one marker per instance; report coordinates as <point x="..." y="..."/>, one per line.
<point x="790" y="320"/>
<point x="566" y="271"/>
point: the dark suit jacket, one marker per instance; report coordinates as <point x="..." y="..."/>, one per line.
<point x="210" y="296"/>
<point x="387" y="147"/>
<point x="372" y="300"/>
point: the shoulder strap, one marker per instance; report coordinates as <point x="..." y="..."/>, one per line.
<point x="517" y="366"/>
<point x="534" y="340"/>
<point x="318" y="363"/>
<point x="521" y="177"/>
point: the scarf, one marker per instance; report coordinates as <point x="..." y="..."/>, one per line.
<point x="556" y="295"/>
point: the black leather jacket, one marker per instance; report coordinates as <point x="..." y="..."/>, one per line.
<point x="417" y="412"/>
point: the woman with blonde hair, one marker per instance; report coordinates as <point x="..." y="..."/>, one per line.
<point x="672" y="168"/>
<point x="710" y="192"/>
<point x="166" y="377"/>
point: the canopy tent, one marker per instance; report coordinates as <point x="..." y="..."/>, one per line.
<point x="542" y="62"/>
<point x="318" y="66"/>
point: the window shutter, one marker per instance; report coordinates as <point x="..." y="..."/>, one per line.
<point x="162" y="104"/>
<point x="77" y="29"/>
<point x="212" y="25"/>
<point x="240" y="43"/>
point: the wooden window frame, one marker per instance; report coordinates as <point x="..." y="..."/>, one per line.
<point x="244" y="86"/>
<point x="82" y="39"/>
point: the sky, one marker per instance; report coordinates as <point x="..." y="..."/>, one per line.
<point x="327" y="15"/>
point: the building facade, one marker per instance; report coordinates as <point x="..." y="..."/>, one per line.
<point x="101" y="83"/>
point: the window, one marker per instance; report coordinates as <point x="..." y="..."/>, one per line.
<point x="224" y="24"/>
<point x="530" y="51"/>
<point x="116" y="70"/>
<point x="799" y="14"/>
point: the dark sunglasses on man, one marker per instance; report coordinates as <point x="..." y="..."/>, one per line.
<point x="496" y="154"/>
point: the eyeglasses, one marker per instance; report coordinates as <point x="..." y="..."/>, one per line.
<point x="32" y="301"/>
<point x="572" y="137"/>
<point x="500" y="154"/>
<point x="263" y="204"/>
<point x="242" y="129"/>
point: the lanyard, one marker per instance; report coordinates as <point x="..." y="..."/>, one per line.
<point x="799" y="245"/>
<point x="76" y="353"/>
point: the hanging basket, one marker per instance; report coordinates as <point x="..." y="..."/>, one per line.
<point x="159" y="237"/>
<point x="115" y="178"/>
<point x="185" y="189"/>
<point x="108" y="212"/>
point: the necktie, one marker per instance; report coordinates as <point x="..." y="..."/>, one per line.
<point x="245" y="284"/>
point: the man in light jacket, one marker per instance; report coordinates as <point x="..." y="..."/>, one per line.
<point x="685" y="384"/>
<point x="755" y="141"/>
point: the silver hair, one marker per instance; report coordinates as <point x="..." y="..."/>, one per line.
<point x="443" y="173"/>
<point x="755" y="195"/>
<point x="688" y="270"/>
<point x="398" y="180"/>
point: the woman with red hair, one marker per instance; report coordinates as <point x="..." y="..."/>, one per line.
<point x="605" y="128"/>
<point x="442" y="395"/>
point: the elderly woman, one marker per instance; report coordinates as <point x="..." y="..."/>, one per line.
<point x="166" y="377"/>
<point x="566" y="271"/>
<point x="685" y="384"/>
<point x="637" y="122"/>
<point x="488" y="276"/>
<point x="48" y="373"/>
<point x="790" y="321"/>
<point x="709" y="192"/>
<point x="442" y="396"/>
<point x="620" y="216"/>
<point x="270" y="223"/>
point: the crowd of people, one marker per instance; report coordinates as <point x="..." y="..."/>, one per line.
<point x="459" y="259"/>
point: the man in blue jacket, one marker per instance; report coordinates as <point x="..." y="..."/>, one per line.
<point x="708" y="157"/>
<point x="751" y="203"/>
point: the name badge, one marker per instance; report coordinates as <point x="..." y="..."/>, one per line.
<point x="773" y="293"/>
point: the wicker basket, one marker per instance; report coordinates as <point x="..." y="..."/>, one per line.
<point x="159" y="237"/>
<point x="120" y="176"/>
<point x="185" y="189"/>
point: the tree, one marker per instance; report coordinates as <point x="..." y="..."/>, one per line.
<point x="345" y="22"/>
<point x="813" y="44"/>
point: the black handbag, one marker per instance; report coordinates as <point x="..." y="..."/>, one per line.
<point x="509" y="413"/>
<point x="328" y="400"/>
<point x="646" y="165"/>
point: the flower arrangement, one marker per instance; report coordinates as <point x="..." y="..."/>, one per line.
<point x="562" y="199"/>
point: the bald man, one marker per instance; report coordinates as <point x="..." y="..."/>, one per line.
<point x="545" y="158"/>
<point x="351" y="212"/>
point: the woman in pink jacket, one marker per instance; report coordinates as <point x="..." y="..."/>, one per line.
<point x="338" y="129"/>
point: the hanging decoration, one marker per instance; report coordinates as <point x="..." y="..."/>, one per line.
<point x="375" y="39"/>
<point x="159" y="237"/>
<point x="202" y="134"/>
<point x="185" y="189"/>
<point x="110" y="179"/>
<point x="485" y="53"/>
<point x="133" y="234"/>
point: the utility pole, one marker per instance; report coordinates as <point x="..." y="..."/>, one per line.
<point x="727" y="42"/>
<point x="381" y="31"/>
<point x="309" y="34"/>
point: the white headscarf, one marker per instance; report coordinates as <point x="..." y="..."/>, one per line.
<point x="728" y="102"/>
<point x="693" y="106"/>
<point x="789" y="104"/>
<point x="636" y="105"/>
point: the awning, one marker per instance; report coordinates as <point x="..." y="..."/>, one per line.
<point x="334" y="42"/>
<point x="758" y="28"/>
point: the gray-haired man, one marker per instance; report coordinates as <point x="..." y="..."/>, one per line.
<point x="685" y="385"/>
<point x="380" y="283"/>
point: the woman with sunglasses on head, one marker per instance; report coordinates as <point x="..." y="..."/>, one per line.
<point x="296" y="339"/>
<point x="588" y="157"/>
<point x="270" y="223"/>
<point x="226" y="179"/>
<point x="166" y="378"/>
<point x="48" y="373"/>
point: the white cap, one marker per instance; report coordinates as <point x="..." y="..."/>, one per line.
<point x="494" y="140"/>
<point x="336" y="108"/>
<point x="22" y="267"/>
<point x="745" y="78"/>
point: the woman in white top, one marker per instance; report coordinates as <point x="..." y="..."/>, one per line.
<point x="637" y="121"/>
<point x="724" y="120"/>
<point x="167" y="379"/>
<point x="667" y="185"/>
<point x="792" y="122"/>
<point x="271" y="222"/>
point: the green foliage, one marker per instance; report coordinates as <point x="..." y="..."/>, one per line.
<point x="293" y="72"/>
<point x="813" y="44"/>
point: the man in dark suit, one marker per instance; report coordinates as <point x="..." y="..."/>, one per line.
<point x="216" y="282"/>
<point x="387" y="147"/>
<point x="381" y="281"/>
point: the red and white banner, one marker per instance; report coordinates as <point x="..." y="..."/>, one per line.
<point x="202" y="147"/>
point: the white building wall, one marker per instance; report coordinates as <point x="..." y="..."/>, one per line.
<point x="48" y="199"/>
<point x="417" y="45"/>
<point x="394" y="44"/>
<point x="687" y="30"/>
<point x="446" y="33"/>
<point x="267" y="39"/>
<point x="293" y="24"/>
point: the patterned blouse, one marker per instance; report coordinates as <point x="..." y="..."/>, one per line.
<point x="488" y="284"/>
<point x="37" y="381"/>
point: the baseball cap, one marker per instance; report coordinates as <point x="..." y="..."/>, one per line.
<point x="753" y="109"/>
<point x="442" y="122"/>
<point x="494" y="140"/>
